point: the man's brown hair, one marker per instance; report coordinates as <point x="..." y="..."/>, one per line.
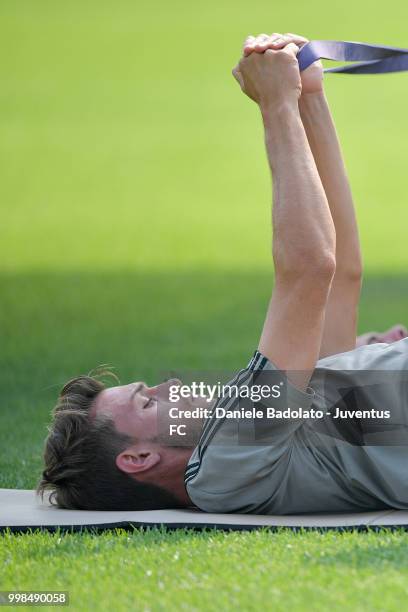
<point x="79" y="455"/>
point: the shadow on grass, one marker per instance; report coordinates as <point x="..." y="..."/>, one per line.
<point x="57" y="325"/>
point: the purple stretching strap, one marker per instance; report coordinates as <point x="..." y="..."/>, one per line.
<point x="370" y="59"/>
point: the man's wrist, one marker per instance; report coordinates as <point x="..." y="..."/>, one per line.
<point x="278" y="113"/>
<point x="312" y="102"/>
<point x="284" y="134"/>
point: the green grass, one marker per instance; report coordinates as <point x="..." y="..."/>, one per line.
<point x="135" y="232"/>
<point x="159" y="570"/>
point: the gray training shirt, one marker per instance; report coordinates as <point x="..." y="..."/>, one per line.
<point x="308" y="460"/>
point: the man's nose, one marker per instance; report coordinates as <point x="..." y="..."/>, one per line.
<point x="162" y="391"/>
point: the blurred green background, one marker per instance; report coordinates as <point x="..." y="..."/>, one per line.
<point x="136" y="195"/>
<point x="135" y="232"/>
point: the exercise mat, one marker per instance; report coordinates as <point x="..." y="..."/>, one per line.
<point x="368" y="58"/>
<point x="22" y="511"/>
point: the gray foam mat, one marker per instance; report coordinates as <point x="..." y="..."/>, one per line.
<point x="22" y="511"/>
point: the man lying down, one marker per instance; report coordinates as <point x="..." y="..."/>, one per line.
<point x="332" y="434"/>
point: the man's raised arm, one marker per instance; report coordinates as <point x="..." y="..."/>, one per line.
<point x="340" y="327"/>
<point x="304" y="236"/>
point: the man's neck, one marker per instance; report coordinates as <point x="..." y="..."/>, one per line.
<point x="173" y="480"/>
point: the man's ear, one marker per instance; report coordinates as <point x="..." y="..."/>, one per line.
<point x="133" y="461"/>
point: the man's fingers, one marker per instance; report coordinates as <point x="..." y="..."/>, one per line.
<point x="248" y="45"/>
<point x="271" y="42"/>
<point x="296" y="37"/>
<point x="275" y="41"/>
<point x="298" y="40"/>
<point x="281" y="40"/>
<point x="260" y="42"/>
<point x="254" y="43"/>
<point x="291" y="49"/>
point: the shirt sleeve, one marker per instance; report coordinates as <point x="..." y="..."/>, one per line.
<point x="284" y="410"/>
<point x="242" y="444"/>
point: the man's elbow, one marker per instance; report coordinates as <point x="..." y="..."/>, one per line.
<point x="308" y="267"/>
<point x="352" y="273"/>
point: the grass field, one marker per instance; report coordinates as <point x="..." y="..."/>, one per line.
<point x="135" y="232"/>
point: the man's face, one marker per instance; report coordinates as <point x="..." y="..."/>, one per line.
<point x="142" y="412"/>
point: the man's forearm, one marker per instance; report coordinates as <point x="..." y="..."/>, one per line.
<point x="303" y="228"/>
<point x="325" y="146"/>
<point x="303" y="249"/>
<point x="340" y="328"/>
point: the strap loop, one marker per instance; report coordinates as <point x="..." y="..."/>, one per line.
<point x="368" y="58"/>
